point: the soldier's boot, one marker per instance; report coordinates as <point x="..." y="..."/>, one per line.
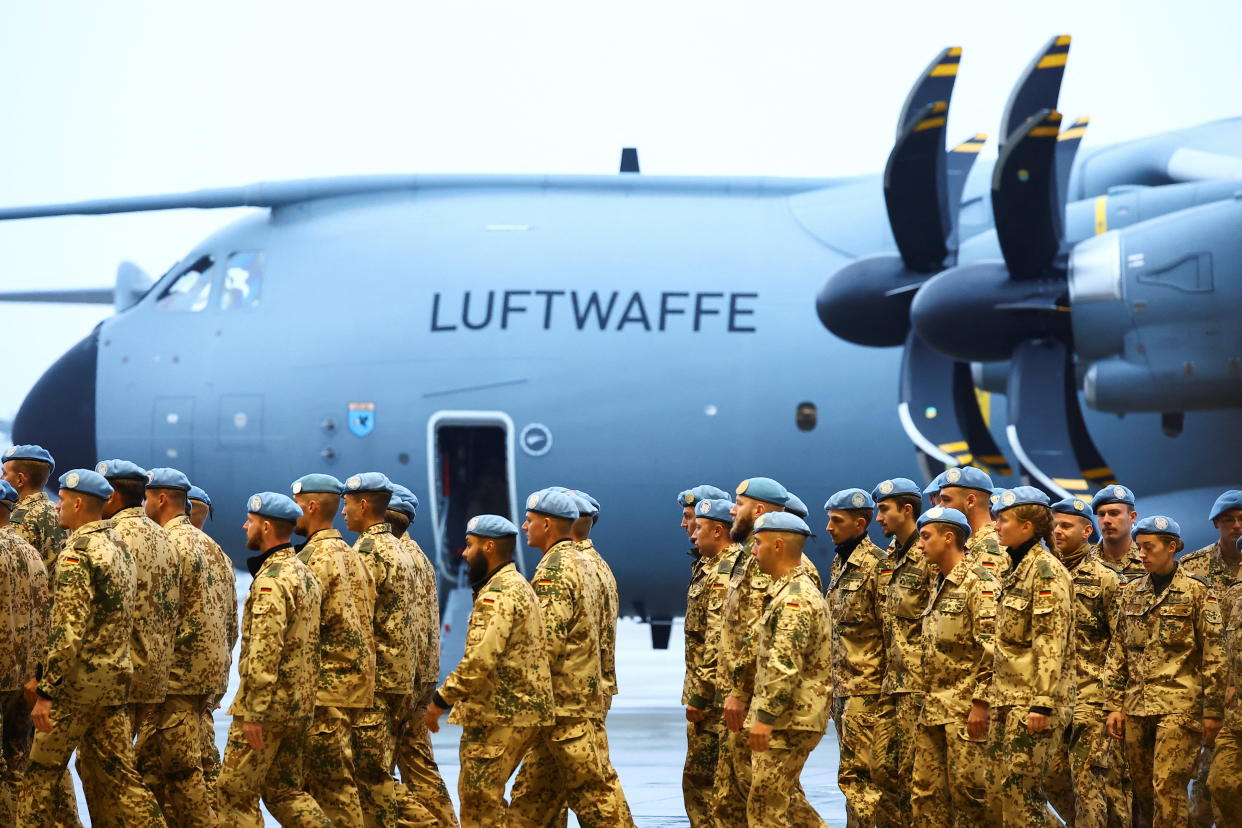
<point x="423" y="795"/>
<point x="1225" y="778"/>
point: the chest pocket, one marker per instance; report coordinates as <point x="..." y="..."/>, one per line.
<point x="1013" y="619"/>
<point x="907" y="596"/>
<point x="1136" y="631"/>
<point x="849" y="605"/>
<point x="1089" y="611"/>
<point x="1176" y="625"/>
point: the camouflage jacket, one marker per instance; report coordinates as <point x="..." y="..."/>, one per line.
<point x="1169" y="656"/>
<point x="200" y="647"/>
<point x="610" y="607"/>
<point x="905" y="597"/>
<point x="709" y="581"/>
<point x="1233" y="655"/>
<point x="984" y="549"/>
<point x="279" y="664"/>
<point x="396" y="606"/>
<point x="347" y="605"/>
<point x="503" y="676"/>
<point x="1096" y="590"/>
<point x="1126" y="570"/>
<point x="1034" y="656"/>
<point x="156" y="605"/>
<point x="35" y="519"/>
<point x="33" y="605"/>
<point x="222" y="593"/>
<point x="14" y="610"/>
<point x="792" y="673"/>
<point x="1210" y="566"/>
<point x="427" y="671"/>
<point x="92" y="620"/>
<point x="568" y="598"/>
<point x="959" y="633"/>
<point x="854" y="604"/>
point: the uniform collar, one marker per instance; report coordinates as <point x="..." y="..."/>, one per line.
<point x="128" y="513"/>
<point x="785" y="580"/>
<point x="178" y="521"/>
<point x="324" y="534"/>
<point x="31" y="499"/>
<point x="958" y="573"/>
<point x="845" y="549"/>
<point x="1075" y="558"/>
<point x="487" y="579"/>
<point x="259" y="562"/>
<point x="382" y="528"/>
<point x="89" y="529"/>
<point x="562" y="542"/>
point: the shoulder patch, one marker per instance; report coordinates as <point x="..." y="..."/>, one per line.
<point x="1046" y="569"/>
<point x="82" y="544"/>
<point x="367" y="543"/>
<point x="1201" y="579"/>
<point x="554" y="560"/>
<point x="795" y="588"/>
<point x="272" y="571"/>
<point x="984" y="573"/>
<point x="18" y="515"/>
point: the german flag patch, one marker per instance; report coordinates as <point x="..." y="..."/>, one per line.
<point x="1212" y="599"/>
<point x="71" y="560"/>
<point x="886" y="572"/>
<point x="990" y="564"/>
<point x="489" y="600"/>
<point x="1044" y="592"/>
<point x="543" y="582"/>
<point x="987" y="592"/>
<point x="792" y="605"/>
<point x="718" y="586"/>
<point x="265" y="589"/>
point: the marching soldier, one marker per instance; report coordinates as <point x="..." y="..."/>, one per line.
<point x="200" y="507"/>
<point x="27" y="469"/>
<point x="588" y="516"/>
<point x="789" y="708"/>
<point x="858" y="657"/>
<point x="1087" y="779"/>
<point x="959" y="627"/>
<point x="376" y="728"/>
<point x="969" y="490"/>
<point x="569" y="761"/>
<point x="1115" y="516"/>
<point x="1166" y="680"/>
<point x="501" y="690"/>
<point x="1033" y="669"/>
<point x="15" y="612"/>
<point x="346" y="680"/>
<point x="1225" y="777"/>
<point x="278" y="669"/>
<point x="84" y="687"/>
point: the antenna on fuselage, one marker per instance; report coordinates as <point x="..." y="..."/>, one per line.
<point x="629" y="159"/>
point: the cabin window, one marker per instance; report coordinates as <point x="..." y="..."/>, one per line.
<point x="806" y="416"/>
<point x="243" y="280"/>
<point x="190" y="290"/>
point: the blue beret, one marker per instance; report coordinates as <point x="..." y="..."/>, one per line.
<point x="585" y="507"/>
<point x="1021" y="496"/>
<point x="120" y="470"/>
<point x="1156" y="525"/>
<point x="368" y="482"/>
<point x="594" y="503"/>
<point x="701" y="492"/>
<point x="490" y="526"/>
<point x="1112" y="494"/>
<point x="37" y="453"/>
<point x="7" y="493"/>
<point x="895" y="487"/>
<point x="940" y="514"/>
<point x="1074" y="506"/>
<point x="795" y="506"/>
<point x="86" y="481"/>
<point x="934" y="486"/>
<point x="994" y="500"/>
<point x="168" y="479"/>
<point x="274" y="505"/>
<point x="1231" y="499"/>
<point x="553" y="504"/>
<point x="406" y="495"/>
<point x="198" y="494"/>
<point x="317" y="483"/>
<point x="781" y="522"/>
<point x="718" y="509"/>
<point x="765" y="489"/>
<point x="966" y="477"/>
<point x="849" y="499"/>
<point x="399" y="504"/>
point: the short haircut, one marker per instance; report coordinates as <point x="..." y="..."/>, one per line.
<point x="329" y="502"/>
<point x="506" y="545"/>
<point x="398" y="520"/>
<point x="855" y="514"/>
<point x="36" y="470"/>
<point x="913" y="501"/>
<point x="131" y="492"/>
<point x="283" y="528"/>
<point x="377" y="502"/>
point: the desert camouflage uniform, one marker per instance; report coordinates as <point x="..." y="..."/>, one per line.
<point x="222" y="587"/>
<point x="791" y="692"/>
<point x="745" y="598"/>
<point x="1225" y="777"/>
<point x="35" y="519"/>
<point x="156" y="606"/>
<point x="1087" y="781"/>
<point x="1033" y="668"/>
<point x="396" y="655"/>
<point x="14" y="610"/>
<point x="709" y="581"/>
<point x="1166" y="673"/>
<point x="1126" y="570"/>
<point x="983" y="549"/>
<point x="500" y="692"/>
<point x="279" y="669"/>
<point x="569" y="760"/>
<point x="959" y="631"/>
<point x="87" y="675"/>
<point x="346" y="681"/>
<point x="422" y="797"/>
<point x="1210" y="565"/>
<point x="858" y="663"/>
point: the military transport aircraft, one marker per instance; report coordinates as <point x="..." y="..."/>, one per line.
<point x="477" y="337"/>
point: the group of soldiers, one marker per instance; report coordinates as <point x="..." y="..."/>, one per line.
<point x="990" y="665"/>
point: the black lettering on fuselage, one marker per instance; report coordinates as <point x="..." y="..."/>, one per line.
<point x="670" y="310"/>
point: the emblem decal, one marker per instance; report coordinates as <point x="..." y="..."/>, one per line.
<point x="859" y="499"/>
<point x="953" y="475"/>
<point x="256" y="503"/>
<point x="361" y="418"/>
<point x="102" y="468"/>
<point x="71" y="481"/>
<point x="886" y="487"/>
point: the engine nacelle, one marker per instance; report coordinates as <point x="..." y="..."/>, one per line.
<point x="867" y="301"/>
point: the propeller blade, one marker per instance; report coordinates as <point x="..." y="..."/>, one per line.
<point x="915" y="191"/>
<point x="1067" y="148"/>
<point x="935" y="84"/>
<point x="1024" y="199"/>
<point x="958" y="164"/>
<point x="1046" y="429"/>
<point x="1038" y="88"/>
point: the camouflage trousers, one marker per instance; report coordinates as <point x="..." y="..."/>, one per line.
<point x="775" y="775"/>
<point x="170" y="760"/>
<point x="207" y="742"/>
<point x="894" y="756"/>
<point x="422" y="798"/>
<point x="1087" y="781"/>
<point x="569" y="763"/>
<point x="18" y="732"/>
<point x="489" y="755"/>
<point x="1225" y="777"/>
<point x="273" y="773"/>
<point x="329" y="766"/>
<point x="735" y="780"/>
<point x="375" y="752"/>
<point x="857" y="718"/>
<point x="947" y="786"/>
<point x="1162" y="751"/>
<point x="1203" y="813"/>
<point x="698" y="777"/>
<point x="103" y="737"/>
<point x="1016" y="768"/>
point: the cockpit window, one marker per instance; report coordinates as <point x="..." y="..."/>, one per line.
<point x="190" y="290"/>
<point x="243" y="280"/>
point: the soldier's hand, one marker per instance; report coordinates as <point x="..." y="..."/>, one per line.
<point x="1036" y="723"/>
<point x="760" y="737"/>
<point x="1230" y="692"/>
<point x="693" y="714"/>
<point x="977" y="720"/>
<point x="42" y="715"/>
<point x="1117" y="724"/>
<point x="431" y="717"/>
<point x="1211" y="727"/>
<point x="29" y="694"/>
<point x="253" y="731"/>
<point x="734" y="713"/>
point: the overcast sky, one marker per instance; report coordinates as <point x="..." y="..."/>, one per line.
<point x="128" y="97"/>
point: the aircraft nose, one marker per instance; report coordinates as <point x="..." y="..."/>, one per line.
<point x="59" y="412"/>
